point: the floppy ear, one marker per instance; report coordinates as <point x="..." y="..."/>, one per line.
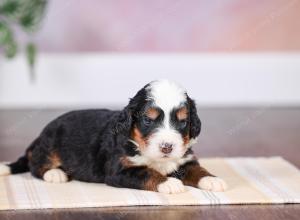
<point x="195" y="123"/>
<point x="123" y="122"/>
<point x="125" y="118"/>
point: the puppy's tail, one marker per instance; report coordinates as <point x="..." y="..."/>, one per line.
<point x="19" y="166"/>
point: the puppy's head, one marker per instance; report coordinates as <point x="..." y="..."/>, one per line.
<point x="162" y="120"/>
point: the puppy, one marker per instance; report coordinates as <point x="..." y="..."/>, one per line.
<point x="147" y="145"/>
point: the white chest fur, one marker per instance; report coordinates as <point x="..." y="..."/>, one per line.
<point x="163" y="167"/>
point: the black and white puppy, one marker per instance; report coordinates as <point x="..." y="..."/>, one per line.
<point x="145" y="146"/>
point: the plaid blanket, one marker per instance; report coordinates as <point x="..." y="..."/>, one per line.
<point x="250" y="181"/>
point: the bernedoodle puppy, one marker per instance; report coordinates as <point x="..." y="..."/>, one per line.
<point x="147" y="145"/>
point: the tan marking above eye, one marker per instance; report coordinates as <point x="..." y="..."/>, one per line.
<point x="182" y="113"/>
<point x="152" y="113"/>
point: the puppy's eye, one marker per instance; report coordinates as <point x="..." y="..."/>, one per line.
<point x="183" y="123"/>
<point x="147" y="121"/>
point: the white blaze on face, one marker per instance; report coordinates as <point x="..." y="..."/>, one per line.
<point x="167" y="96"/>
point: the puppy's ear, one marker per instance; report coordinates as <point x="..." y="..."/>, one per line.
<point x="195" y="123"/>
<point x="126" y="116"/>
<point x="123" y="122"/>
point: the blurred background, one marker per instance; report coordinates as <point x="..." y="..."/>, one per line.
<point x="238" y="59"/>
<point x="100" y="52"/>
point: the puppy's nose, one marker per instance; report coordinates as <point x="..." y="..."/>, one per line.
<point x="166" y="148"/>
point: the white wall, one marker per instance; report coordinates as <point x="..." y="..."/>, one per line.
<point x="88" y="80"/>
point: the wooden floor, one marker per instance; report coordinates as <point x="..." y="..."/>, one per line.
<point x="261" y="131"/>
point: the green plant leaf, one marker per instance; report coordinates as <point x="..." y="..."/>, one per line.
<point x="5" y="34"/>
<point x="31" y="56"/>
<point x="7" y="40"/>
<point x="31" y="14"/>
<point x="11" y="49"/>
<point x="27" y="21"/>
<point x="9" y="7"/>
<point x="25" y="15"/>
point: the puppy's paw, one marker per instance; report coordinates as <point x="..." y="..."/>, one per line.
<point x="212" y="183"/>
<point x="171" y="185"/>
<point x="4" y="170"/>
<point x="55" y="176"/>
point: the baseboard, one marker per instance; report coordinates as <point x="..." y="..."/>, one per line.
<point x="92" y="80"/>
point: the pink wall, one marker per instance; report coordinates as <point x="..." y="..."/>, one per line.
<point x="171" y="26"/>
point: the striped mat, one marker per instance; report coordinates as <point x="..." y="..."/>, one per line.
<point x="251" y="181"/>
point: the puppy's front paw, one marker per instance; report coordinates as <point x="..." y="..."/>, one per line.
<point x="55" y="176"/>
<point x="212" y="183"/>
<point x="171" y="185"/>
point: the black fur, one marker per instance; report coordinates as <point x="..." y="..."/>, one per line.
<point x="195" y="123"/>
<point x="21" y="165"/>
<point x="89" y="145"/>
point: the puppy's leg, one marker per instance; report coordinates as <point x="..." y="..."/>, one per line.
<point x="55" y="176"/>
<point x="192" y="174"/>
<point x="47" y="166"/>
<point x="146" y="179"/>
